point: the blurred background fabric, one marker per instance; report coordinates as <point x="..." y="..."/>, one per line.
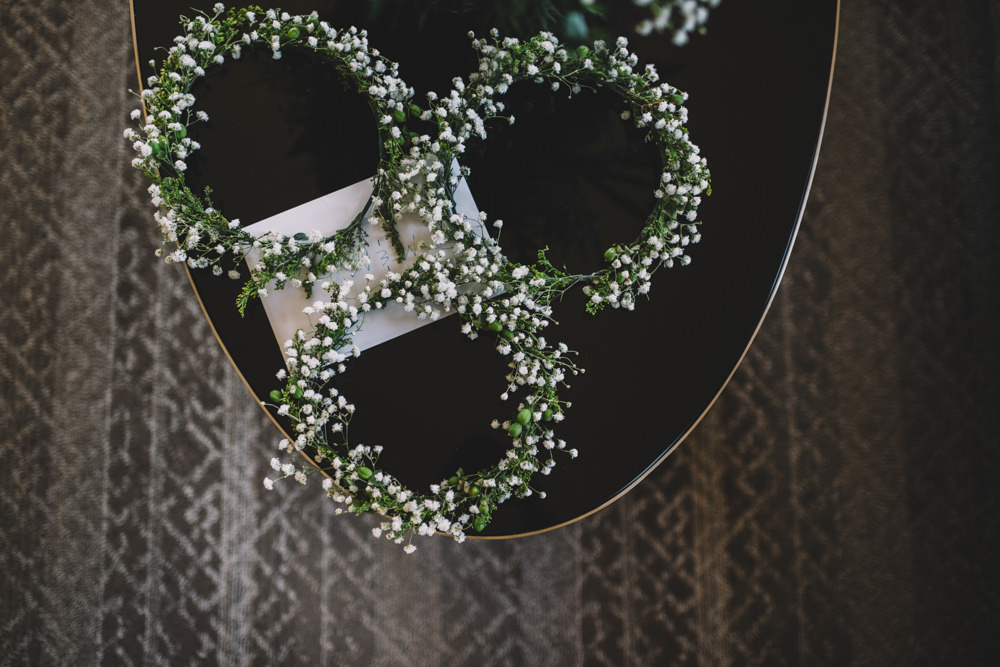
<point x="838" y="506"/>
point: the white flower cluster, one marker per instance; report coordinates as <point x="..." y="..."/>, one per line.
<point x="679" y="17"/>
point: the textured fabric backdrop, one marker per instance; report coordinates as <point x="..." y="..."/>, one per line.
<point x="838" y="506"/>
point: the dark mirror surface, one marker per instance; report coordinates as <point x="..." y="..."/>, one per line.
<point x="569" y="174"/>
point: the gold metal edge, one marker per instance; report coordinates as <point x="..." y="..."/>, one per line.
<point x="135" y="45"/>
<point x="683" y="436"/>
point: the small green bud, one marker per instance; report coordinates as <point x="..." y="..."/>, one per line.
<point x="275" y="395"/>
<point x="582" y="51"/>
<point x="453" y="480"/>
<point x="547" y="415"/>
<point x="474" y="491"/>
<point x="364" y="472"/>
<point x="495" y="325"/>
<point x="515" y="429"/>
<point x="610" y="254"/>
<point x="181" y="133"/>
<point x="480" y="523"/>
<point x="297" y="393"/>
<point x="524" y="416"/>
<point x="293" y="33"/>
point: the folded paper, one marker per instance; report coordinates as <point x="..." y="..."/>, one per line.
<point x="285" y="308"/>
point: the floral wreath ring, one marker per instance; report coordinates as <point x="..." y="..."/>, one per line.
<point x="462" y="269"/>
<point x="656" y="109"/>
<point x="199" y="234"/>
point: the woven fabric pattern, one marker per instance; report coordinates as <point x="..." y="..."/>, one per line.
<point x="838" y="506"/>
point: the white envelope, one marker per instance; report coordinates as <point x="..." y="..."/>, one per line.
<point x="328" y="214"/>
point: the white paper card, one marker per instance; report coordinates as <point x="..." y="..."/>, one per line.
<point x="328" y="214"/>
